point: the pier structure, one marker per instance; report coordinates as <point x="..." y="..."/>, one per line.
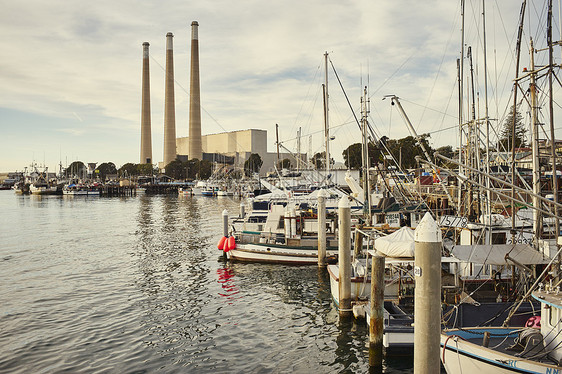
<point x="169" y="104"/>
<point x="195" y="146"/>
<point x="146" y="137"/>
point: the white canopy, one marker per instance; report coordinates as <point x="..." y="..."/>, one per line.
<point x="495" y="254"/>
<point x="398" y="244"/>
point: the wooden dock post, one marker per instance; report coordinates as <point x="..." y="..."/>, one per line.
<point x="376" y="323"/>
<point x="321" y="229"/>
<point x="427" y="296"/>
<point x="344" y="257"/>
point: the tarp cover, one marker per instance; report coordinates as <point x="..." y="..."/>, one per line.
<point x="495" y="254"/>
<point x="398" y="244"/>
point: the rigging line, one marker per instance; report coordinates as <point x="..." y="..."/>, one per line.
<point x="395" y="72"/>
<point x="434" y="110"/>
<point x="345" y="94"/>
<point x="306" y="97"/>
<point x="453" y="31"/>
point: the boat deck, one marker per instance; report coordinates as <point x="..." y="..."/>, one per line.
<point x="506" y="341"/>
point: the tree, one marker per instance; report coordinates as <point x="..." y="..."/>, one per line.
<point x="176" y="169"/>
<point x="253" y="164"/>
<point x="505" y="141"/>
<point x="206" y="169"/>
<point x="105" y="169"/>
<point x="284" y="164"/>
<point x="146" y="169"/>
<point x="128" y="169"/>
<point x="318" y="160"/>
<point x="76" y="169"/>
<point x="353" y="158"/>
<point x="406" y="149"/>
<point x="448" y="152"/>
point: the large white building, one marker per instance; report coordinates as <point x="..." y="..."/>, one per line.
<point x="240" y="145"/>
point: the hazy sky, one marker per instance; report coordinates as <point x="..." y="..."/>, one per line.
<point x="70" y="71"/>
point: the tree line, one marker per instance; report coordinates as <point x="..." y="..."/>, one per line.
<point x="404" y="151"/>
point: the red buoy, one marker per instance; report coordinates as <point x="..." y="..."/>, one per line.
<point x="230" y="244"/>
<point x="221" y="242"/>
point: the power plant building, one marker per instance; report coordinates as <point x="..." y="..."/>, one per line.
<point x="238" y="145"/>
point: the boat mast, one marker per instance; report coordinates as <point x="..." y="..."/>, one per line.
<point x="487" y="206"/>
<point x="460" y="69"/>
<point x="365" y="155"/>
<point x="514" y="113"/>
<point x="537" y="224"/>
<point x="326" y="119"/>
<point x="551" y="115"/>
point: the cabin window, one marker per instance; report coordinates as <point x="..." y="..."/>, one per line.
<point x="498" y="238"/>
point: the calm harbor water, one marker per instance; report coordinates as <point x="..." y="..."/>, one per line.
<point x="136" y="285"/>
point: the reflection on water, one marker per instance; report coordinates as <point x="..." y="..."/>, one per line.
<point x="136" y="284"/>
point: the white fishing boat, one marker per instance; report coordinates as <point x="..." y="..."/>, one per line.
<point x="283" y="239"/>
<point x="536" y="348"/>
<point x="41" y="187"/>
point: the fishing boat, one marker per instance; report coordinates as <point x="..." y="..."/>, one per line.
<point x="283" y="239"/>
<point x="41" y="187"/>
<point x="536" y="348"/>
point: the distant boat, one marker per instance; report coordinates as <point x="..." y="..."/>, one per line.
<point x="42" y="187"/>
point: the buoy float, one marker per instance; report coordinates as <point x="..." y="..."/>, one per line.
<point x="534" y="322"/>
<point x="221" y="242"/>
<point x="230" y="244"/>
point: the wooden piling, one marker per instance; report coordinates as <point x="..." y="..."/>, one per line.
<point x="344" y="257"/>
<point x="321" y="229"/>
<point x="376" y="323"/>
<point x="427" y="296"/>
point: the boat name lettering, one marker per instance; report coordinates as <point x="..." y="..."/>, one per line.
<point x="453" y="221"/>
<point x="552" y="371"/>
<point x="519" y="241"/>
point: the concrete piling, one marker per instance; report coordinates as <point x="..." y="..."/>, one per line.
<point x="427" y="296"/>
<point x="321" y="229"/>
<point x="225" y="222"/>
<point x="344" y="257"/>
<point x="376" y="323"/>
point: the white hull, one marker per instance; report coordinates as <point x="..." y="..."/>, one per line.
<point x="80" y="193"/>
<point x="360" y="287"/>
<point x="462" y="356"/>
<point x="42" y="190"/>
<point x="278" y="254"/>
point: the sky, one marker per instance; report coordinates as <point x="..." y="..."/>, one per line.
<point x="70" y="74"/>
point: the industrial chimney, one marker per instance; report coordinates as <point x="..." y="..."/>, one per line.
<point x="195" y="147"/>
<point x="169" y="105"/>
<point x="146" y="137"/>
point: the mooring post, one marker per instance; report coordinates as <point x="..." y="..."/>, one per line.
<point x="427" y="296"/>
<point x="344" y="257"/>
<point x="225" y="222"/>
<point x="376" y="322"/>
<point x="321" y="229"/>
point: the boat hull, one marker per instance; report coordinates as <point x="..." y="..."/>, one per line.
<point x="278" y="254"/>
<point x="460" y="355"/>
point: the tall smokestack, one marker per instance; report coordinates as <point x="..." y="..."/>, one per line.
<point x="146" y="137"/>
<point x="195" y="148"/>
<point x="169" y="105"/>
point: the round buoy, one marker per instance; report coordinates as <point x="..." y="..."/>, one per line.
<point x="220" y="244"/>
<point x="534" y="322"/>
<point x="231" y="243"/>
